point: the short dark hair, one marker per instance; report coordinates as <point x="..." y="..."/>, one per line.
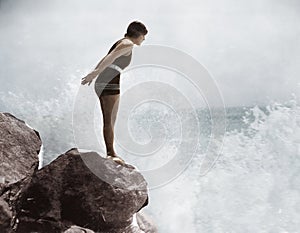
<point x="135" y="29"/>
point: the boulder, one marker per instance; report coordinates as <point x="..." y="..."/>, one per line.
<point x="19" y="149"/>
<point x="141" y="224"/>
<point x="82" y="189"/>
<point x="20" y="146"/>
<point x="77" y="192"/>
<point x="5" y="215"/>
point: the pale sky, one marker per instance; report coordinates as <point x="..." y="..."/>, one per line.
<point x="251" y="48"/>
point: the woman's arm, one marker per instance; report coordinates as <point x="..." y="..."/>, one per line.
<point x="128" y="42"/>
<point x="121" y="49"/>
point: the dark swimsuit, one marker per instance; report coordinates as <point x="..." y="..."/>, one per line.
<point x="108" y="81"/>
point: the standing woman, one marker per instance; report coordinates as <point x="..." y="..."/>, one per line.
<point x="107" y="84"/>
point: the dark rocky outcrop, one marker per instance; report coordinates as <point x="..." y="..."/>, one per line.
<point x="19" y="149"/>
<point x="143" y="225"/>
<point x="5" y="215"/>
<point x="76" y="191"/>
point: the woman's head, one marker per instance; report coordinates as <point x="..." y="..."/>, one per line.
<point x="136" y="31"/>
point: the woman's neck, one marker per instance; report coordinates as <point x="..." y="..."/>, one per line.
<point x="129" y="38"/>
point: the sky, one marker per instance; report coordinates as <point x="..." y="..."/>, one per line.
<point x="250" y="48"/>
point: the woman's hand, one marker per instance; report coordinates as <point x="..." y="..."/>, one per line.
<point x="88" y="79"/>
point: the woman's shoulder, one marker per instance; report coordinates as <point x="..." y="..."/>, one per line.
<point x="124" y="43"/>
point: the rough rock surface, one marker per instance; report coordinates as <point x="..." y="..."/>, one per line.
<point x="5" y="215"/>
<point x="68" y="192"/>
<point x="19" y="149"/>
<point x="144" y="225"/>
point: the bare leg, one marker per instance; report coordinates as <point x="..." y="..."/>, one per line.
<point x="109" y="106"/>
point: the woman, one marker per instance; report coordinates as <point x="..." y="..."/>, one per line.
<point x="107" y="84"/>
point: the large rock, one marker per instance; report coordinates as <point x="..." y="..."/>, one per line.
<point x="5" y="215"/>
<point x="80" y="189"/>
<point x="19" y="149"/>
<point x="75" y="193"/>
<point x="141" y="224"/>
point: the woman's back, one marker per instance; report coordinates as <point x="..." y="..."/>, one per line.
<point x="122" y="61"/>
<point x="108" y="81"/>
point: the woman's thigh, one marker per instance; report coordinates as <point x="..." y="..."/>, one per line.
<point x="109" y="107"/>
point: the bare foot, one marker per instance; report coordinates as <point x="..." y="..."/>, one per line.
<point x="116" y="158"/>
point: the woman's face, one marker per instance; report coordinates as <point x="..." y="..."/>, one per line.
<point x="140" y="39"/>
